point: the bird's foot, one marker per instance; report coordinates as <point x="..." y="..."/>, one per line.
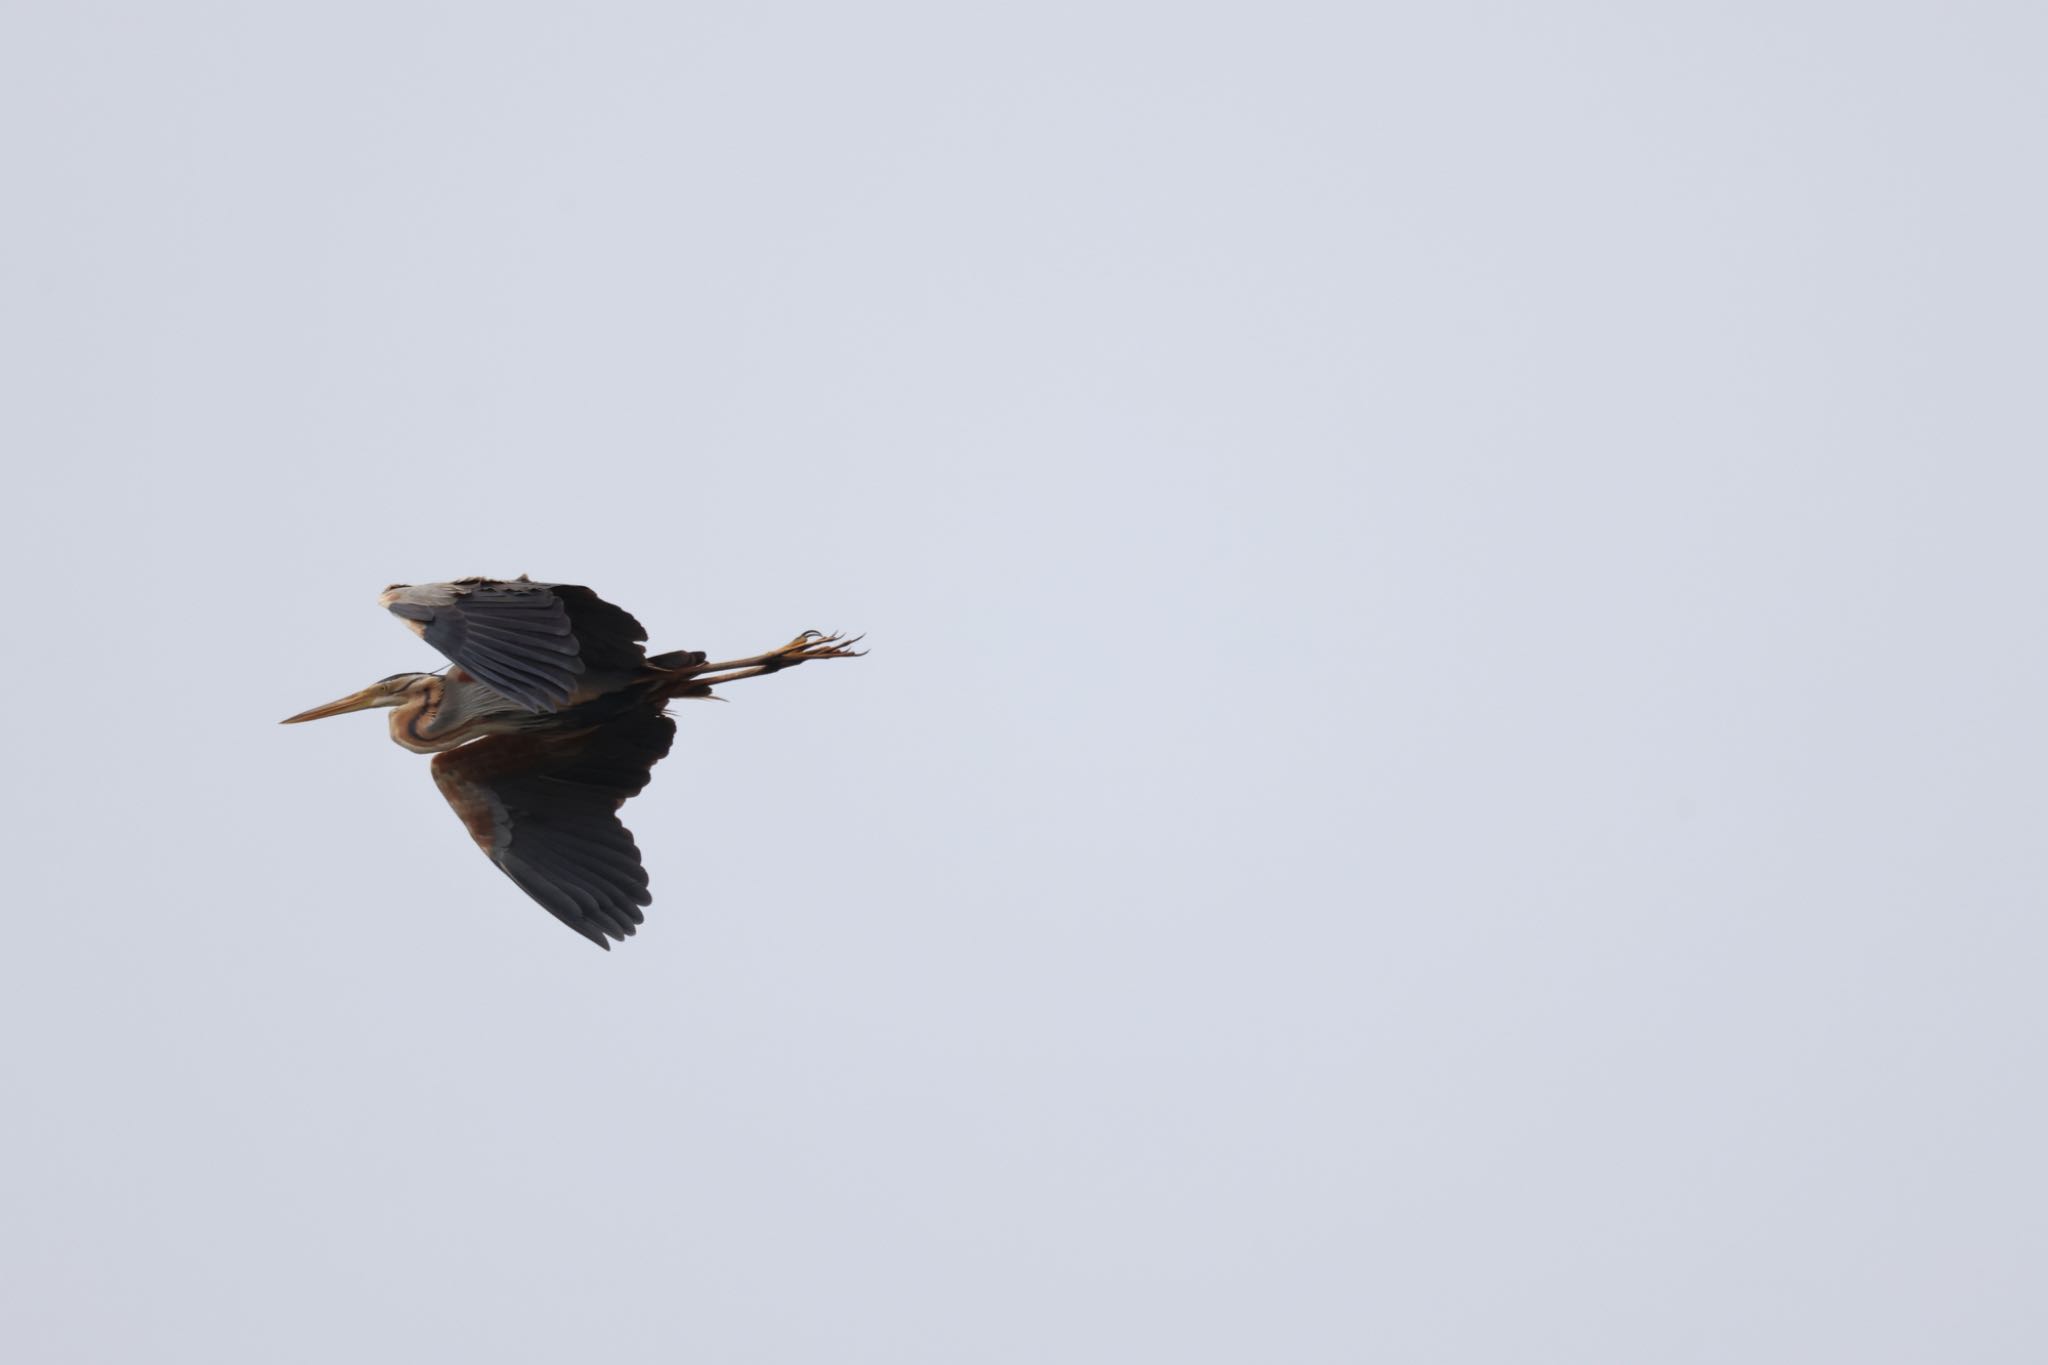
<point x="813" y="644"/>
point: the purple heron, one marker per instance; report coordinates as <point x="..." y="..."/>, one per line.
<point x="550" y="717"/>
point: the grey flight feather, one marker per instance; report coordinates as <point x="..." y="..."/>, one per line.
<point x="530" y="641"/>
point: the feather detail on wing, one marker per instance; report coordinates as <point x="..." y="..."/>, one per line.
<point x="530" y="641"/>
<point x="544" y="808"/>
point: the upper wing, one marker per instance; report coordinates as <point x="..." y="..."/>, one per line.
<point x="544" y="808"/>
<point x="529" y="641"/>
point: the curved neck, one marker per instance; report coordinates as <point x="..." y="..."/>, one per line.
<point x="418" y="723"/>
<point x="440" y="713"/>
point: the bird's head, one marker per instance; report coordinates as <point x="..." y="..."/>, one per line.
<point x="395" y="690"/>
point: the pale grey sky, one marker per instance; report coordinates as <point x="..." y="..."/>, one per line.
<point x="1450" y="770"/>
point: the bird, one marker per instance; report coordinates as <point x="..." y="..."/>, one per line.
<point x="550" y="716"/>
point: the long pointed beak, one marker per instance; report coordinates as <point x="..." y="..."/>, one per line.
<point x="357" y="701"/>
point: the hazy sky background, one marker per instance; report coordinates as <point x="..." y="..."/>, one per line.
<point x="1451" y="769"/>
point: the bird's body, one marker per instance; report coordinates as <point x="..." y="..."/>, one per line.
<point x="550" y="718"/>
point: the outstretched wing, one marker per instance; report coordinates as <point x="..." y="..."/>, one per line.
<point x="530" y="641"/>
<point x="544" y="808"/>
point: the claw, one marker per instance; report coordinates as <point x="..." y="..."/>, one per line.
<point x="832" y="646"/>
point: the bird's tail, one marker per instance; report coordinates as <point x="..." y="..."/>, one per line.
<point x="676" y="661"/>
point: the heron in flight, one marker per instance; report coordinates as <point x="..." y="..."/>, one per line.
<point x="549" y="719"/>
